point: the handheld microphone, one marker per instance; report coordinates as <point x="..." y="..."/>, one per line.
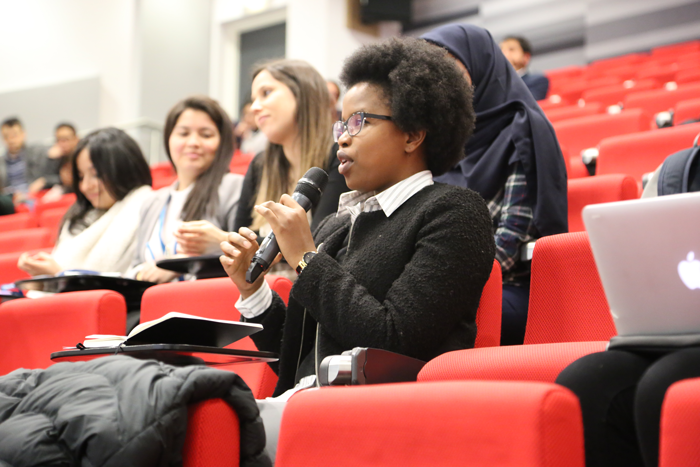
<point x="307" y="194"/>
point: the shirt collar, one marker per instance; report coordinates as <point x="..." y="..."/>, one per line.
<point x="388" y="200"/>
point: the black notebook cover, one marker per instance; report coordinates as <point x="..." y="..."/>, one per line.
<point x="193" y="331"/>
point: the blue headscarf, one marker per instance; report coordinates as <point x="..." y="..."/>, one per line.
<point x="510" y="127"/>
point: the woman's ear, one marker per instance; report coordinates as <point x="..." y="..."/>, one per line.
<point x="413" y="140"/>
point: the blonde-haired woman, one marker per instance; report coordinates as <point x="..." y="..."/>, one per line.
<point x="290" y="104"/>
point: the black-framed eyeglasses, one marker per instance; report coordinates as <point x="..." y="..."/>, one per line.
<point x="353" y="125"/>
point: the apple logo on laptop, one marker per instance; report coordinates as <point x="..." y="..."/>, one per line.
<point x="689" y="270"/>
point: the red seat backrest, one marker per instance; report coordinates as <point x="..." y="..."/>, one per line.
<point x="641" y="153"/>
<point x="594" y="190"/>
<point x="488" y="316"/>
<point x="240" y="162"/>
<point x="31" y="329"/>
<point x="51" y="219"/>
<point x="614" y="95"/>
<point x="22" y="220"/>
<point x="26" y="239"/>
<point x="680" y="422"/>
<point x="661" y="100"/>
<point x="688" y="76"/>
<point x="572" y="111"/>
<point x="215" y="298"/>
<point x="451" y="423"/>
<point x="213" y="435"/>
<point x="586" y="132"/>
<point x="687" y="110"/>
<point x="65" y="201"/>
<point x="567" y="301"/>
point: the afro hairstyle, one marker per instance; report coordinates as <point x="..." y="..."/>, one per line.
<point x="425" y="91"/>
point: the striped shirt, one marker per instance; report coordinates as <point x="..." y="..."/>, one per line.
<point x="352" y="203"/>
<point x="16" y="174"/>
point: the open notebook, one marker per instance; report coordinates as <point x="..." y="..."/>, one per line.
<point x="178" y="328"/>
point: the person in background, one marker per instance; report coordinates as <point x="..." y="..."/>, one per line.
<point x="192" y="216"/>
<point x="513" y="160"/>
<point x="402" y="265"/>
<point x="24" y="169"/>
<point x="111" y="179"/>
<point x="334" y="92"/>
<point x="66" y="142"/>
<point x="518" y="51"/>
<point x="249" y="137"/>
<point x="290" y="103"/>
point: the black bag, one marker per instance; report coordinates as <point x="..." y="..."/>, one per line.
<point x="680" y="172"/>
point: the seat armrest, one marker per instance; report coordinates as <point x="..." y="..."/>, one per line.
<point x="363" y="365"/>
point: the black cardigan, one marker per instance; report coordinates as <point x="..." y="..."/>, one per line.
<point x="327" y="205"/>
<point x="410" y="283"/>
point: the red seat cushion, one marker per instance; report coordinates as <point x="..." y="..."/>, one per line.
<point x="680" y="424"/>
<point x="537" y="362"/>
<point x="213" y="435"/>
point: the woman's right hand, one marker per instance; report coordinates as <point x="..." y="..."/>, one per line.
<point x="239" y="249"/>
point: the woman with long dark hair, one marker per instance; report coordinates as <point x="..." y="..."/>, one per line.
<point x="190" y="217"/>
<point x="111" y="179"/>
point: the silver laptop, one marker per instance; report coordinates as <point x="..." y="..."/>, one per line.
<point x="648" y="256"/>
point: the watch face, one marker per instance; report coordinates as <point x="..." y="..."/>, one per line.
<point x="308" y="256"/>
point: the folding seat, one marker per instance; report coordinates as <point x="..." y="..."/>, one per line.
<point x="31" y="329"/>
<point x="615" y="94"/>
<point x="25" y="239"/>
<point x="676" y="49"/>
<point x="240" y="162"/>
<point x="573" y="90"/>
<point x="557" y="102"/>
<point x="662" y="73"/>
<point x="568" y="318"/>
<point x="641" y="153"/>
<point x="680" y="425"/>
<point x="161" y="181"/>
<point x="51" y="219"/>
<point x="688" y="76"/>
<point x="213" y="435"/>
<point x="488" y="316"/>
<point x="573" y="111"/>
<point x="661" y="100"/>
<point x="475" y="423"/>
<point x="66" y="201"/>
<point x="687" y="110"/>
<point x="594" y="190"/>
<point x="215" y="298"/>
<point x="620" y="60"/>
<point x="162" y="169"/>
<point x="22" y="220"/>
<point x="586" y="132"/>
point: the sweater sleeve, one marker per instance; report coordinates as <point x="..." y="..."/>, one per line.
<point x="336" y="187"/>
<point x="439" y="288"/>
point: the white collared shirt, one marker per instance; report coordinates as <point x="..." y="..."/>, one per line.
<point x="352" y="203"/>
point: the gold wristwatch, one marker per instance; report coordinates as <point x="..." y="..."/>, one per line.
<point x="308" y="256"/>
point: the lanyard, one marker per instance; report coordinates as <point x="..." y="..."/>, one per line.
<point x="160" y="227"/>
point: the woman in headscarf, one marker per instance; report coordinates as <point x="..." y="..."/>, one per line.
<point x="513" y="160"/>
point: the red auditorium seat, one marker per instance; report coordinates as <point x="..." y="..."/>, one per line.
<point x="31" y="329"/>
<point x="66" y="201"/>
<point x="163" y="181"/>
<point x="688" y="76"/>
<point x="213" y="435"/>
<point x="661" y="100"/>
<point x="51" y="219"/>
<point x="22" y="220"/>
<point x="9" y="272"/>
<point x="662" y="74"/>
<point x="25" y="240"/>
<point x="676" y="49"/>
<point x="616" y="62"/>
<point x="598" y="189"/>
<point x="567" y="301"/>
<point x="573" y="111"/>
<point x="687" y="110"/>
<point x="454" y="423"/>
<point x="572" y="91"/>
<point x="162" y="169"/>
<point x="240" y="162"/>
<point x="215" y="298"/>
<point x="680" y="425"/>
<point x="615" y="95"/>
<point x="547" y="104"/>
<point x="488" y="316"/>
<point x="641" y="153"/>
<point x="586" y="132"/>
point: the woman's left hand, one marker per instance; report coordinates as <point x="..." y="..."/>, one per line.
<point x="291" y="227"/>
<point x="38" y="264"/>
<point x="194" y="238"/>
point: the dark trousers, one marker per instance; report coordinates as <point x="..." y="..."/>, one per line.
<point x="514" y="315"/>
<point x="621" y="394"/>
